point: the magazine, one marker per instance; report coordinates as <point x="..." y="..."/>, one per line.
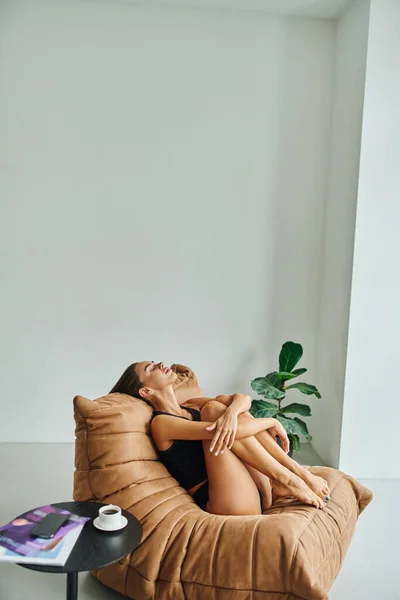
<point x="18" y="546"/>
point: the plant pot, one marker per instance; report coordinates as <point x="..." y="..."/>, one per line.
<point x="290" y="453"/>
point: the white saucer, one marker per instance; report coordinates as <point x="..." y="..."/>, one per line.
<point x="123" y="523"/>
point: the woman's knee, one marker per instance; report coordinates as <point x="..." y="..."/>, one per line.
<point x="212" y="408"/>
<point x="246" y="414"/>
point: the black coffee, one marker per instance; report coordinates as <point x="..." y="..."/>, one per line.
<point x="111" y="511"/>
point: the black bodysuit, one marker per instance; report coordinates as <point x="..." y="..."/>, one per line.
<point x="185" y="458"/>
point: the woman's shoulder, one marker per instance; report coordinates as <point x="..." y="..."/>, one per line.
<point x="159" y="430"/>
<point x="197" y="402"/>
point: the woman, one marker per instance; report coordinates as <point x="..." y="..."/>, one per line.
<point x="224" y="457"/>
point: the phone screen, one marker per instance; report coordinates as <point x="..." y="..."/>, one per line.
<point x="49" y="525"/>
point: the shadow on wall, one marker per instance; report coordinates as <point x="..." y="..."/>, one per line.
<point x="301" y="165"/>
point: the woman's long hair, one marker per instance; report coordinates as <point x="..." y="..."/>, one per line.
<point x="129" y="383"/>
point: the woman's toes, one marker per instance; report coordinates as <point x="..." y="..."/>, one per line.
<point x="318" y="500"/>
<point x="320" y="492"/>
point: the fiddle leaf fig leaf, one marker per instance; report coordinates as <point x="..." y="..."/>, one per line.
<point x="299" y="372"/>
<point x="301" y="409"/>
<point x="295" y="426"/>
<point x="302" y="428"/>
<point x="289" y="356"/>
<point x="263" y="387"/>
<point x="263" y="409"/>
<point x="274" y="380"/>
<point x="288" y="424"/>
<point x="305" y="388"/>
<point x="284" y="376"/>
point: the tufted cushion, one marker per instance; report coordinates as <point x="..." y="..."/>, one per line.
<point x="292" y="552"/>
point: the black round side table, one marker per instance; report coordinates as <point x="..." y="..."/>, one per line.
<point x="94" y="549"/>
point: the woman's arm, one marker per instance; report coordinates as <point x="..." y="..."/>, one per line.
<point x="239" y="403"/>
<point x="169" y="428"/>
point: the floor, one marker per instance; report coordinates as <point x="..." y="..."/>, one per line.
<point x="35" y="474"/>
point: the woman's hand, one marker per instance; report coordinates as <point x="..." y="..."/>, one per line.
<point x="226" y="427"/>
<point x="278" y="429"/>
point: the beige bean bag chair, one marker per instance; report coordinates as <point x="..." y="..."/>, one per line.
<point x="288" y="553"/>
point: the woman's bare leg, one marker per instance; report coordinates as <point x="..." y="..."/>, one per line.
<point x="263" y="484"/>
<point x="250" y="451"/>
<point x="317" y="484"/>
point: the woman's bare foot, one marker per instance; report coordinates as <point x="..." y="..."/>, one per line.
<point x="315" y="483"/>
<point x="297" y="489"/>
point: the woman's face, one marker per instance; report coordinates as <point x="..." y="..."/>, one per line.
<point x="155" y="376"/>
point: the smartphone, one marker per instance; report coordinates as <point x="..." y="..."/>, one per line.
<point x="49" y="525"/>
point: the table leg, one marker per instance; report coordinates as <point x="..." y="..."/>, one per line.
<point x="72" y="585"/>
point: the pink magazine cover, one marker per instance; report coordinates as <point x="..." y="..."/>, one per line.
<point x="17" y="545"/>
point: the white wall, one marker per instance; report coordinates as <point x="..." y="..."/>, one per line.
<point x="339" y="225"/>
<point x="369" y="447"/>
<point x="145" y="156"/>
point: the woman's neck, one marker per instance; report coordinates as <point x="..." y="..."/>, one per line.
<point x="167" y="403"/>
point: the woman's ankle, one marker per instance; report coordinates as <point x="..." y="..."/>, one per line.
<point x="295" y="468"/>
<point x="298" y="481"/>
<point x="288" y="479"/>
<point x="303" y="473"/>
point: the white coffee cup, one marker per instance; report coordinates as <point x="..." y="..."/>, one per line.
<point x="110" y="516"/>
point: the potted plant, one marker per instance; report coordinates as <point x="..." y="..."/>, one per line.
<point x="274" y="387"/>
